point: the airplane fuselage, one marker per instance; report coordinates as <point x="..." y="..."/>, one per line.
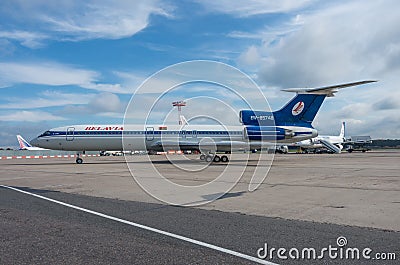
<point x="151" y="137"/>
<point x="316" y="142"/>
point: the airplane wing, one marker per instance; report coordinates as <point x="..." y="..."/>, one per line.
<point x="327" y="90"/>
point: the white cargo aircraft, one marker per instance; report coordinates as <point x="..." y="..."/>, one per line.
<point x="290" y="124"/>
<point x="333" y="143"/>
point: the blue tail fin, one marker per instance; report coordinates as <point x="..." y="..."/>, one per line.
<point x="300" y="111"/>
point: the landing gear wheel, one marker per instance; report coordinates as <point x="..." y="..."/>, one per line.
<point x="224" y="159"/>
<point x="209" y="158"/>
<point x="217" y="159"/>
<point x="202" y="157"/>
<point x="79" y="160"/>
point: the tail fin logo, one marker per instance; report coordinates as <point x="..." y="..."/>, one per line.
<point x="297" y="108"/>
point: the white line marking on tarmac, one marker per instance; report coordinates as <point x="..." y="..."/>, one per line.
<point x="183" y="238"/>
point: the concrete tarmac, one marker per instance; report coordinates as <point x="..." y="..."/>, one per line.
<point x="35" y="231"/>
<point x="306" y="201"/>
<point x="360" y="189"/>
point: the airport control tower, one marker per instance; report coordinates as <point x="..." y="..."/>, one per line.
<point x="179" y="104"/>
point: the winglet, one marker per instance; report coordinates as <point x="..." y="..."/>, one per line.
<point x="329" y="91"/>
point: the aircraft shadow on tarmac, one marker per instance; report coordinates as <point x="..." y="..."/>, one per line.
<point x="224" y="196"/>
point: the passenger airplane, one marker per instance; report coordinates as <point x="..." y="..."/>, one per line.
<point x="290" y="124"/>
<point x="24" y="145"/>
<point x="333" y="143"/>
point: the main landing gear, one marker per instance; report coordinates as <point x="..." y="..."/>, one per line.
<point x="214" y="158"/>
<point x="78" y="159"/>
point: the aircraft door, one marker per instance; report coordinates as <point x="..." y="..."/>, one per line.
<point x="149" y="133"/>
<point x="70" y="134"/>
<point x="183" y="134"/>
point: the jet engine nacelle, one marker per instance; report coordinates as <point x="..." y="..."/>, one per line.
<point x="266" y="133"/>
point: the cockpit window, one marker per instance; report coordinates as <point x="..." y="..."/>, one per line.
<point x="46" y="133"/>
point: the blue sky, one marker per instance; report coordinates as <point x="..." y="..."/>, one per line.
<point x="73" y="62"/>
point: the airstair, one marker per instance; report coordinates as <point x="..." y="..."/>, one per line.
<point x="330" y="146"/>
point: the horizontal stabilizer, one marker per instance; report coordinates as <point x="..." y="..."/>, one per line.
<point x="328" y="90"/>
<point x="330" y="146"/>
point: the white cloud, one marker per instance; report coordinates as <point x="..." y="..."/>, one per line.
<point x="223" y="110"/>
<point x="44" y="74"/>
<point x="250" y="57"/>
<point x="47" y="99"/>
<point x="77" y="20"/>
<point x="132" y="80"/>
<point x="54" y="74"/>
<point x="114" y="115"/>
<point x="106" y="102"/>
<point x="360" y="120"/>
<point x="271" y="34"/>
<point x="347" y="42"/>
<point x="102" y="104"/>
<point x="344" y="42"/>
<point x="29" y="116"/>
<point x="112" y="88"/>
<point x="387" y="103"/>
<point x="246" y="8"/>
<point x="182" y="77"/>
<point x="27" y="38"/>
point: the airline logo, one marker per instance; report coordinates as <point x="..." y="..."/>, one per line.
<point x="22" y="143"/>
<point x="105" y="128"/>
<point x="298" y="108"/>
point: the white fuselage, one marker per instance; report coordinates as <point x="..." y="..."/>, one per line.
<point x="316" y="142"/>
<point x="149" y="137"/>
